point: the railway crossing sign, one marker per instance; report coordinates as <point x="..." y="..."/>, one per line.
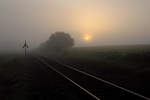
<point x="25" y="46"/>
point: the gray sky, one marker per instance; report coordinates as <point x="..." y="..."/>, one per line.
<point x="107" y="22"/>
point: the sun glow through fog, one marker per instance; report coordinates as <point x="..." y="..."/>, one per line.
<point x="91" y="22"/>
<point x="87" y="37"/>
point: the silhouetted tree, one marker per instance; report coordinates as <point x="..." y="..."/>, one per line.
<point x="59" y="41"/>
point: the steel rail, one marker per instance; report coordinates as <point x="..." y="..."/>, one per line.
<point x="104" y="81"/>
<point x="60" y="73"/>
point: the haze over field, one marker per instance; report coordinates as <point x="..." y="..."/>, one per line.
<point x="90" y="22"/>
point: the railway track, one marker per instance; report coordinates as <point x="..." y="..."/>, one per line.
<point x="95" y="87"/>
<point x="35" y="81"/>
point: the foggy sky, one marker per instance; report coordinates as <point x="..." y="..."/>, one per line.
<point x="110" y="22"/>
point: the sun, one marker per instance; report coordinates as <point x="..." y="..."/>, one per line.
<point x="87" y="37"/>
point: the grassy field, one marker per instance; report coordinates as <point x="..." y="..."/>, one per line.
<point x="6" y="57"/>
<point x="117" y="56"/>
<point x="128" y="66"/>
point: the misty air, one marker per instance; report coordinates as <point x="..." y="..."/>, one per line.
<point x="74" y="50"/>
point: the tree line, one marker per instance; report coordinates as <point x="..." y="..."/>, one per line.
<point x="58" y="42"/>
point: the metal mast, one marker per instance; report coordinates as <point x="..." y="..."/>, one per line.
<point x="25" y="46"/>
